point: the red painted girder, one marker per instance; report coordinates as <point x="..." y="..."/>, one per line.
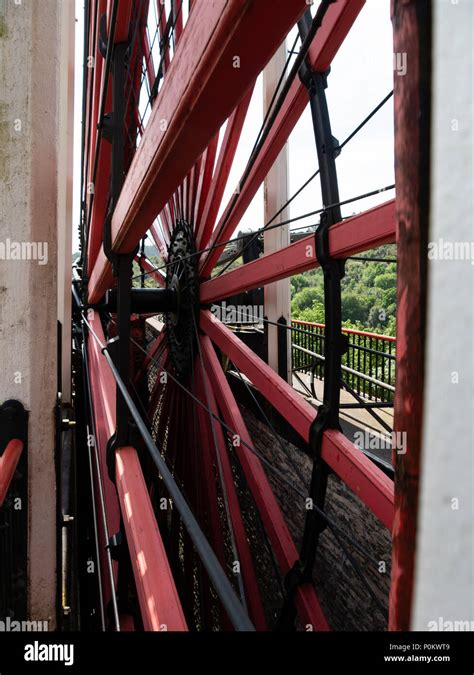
<point x="133" y="81"/>
<point x="159" y="602"/>
<point x="214" y="525"/>
<point x="210" y="495"/>
<point x="204" y="182"/>
<point x="150" y="568"/>
<point x="218" y="445"/>
<point x="124" y="15"/>
<point x="100" y="187"/>
<point x="413" y="106"/>
<point x="103" y="405"/>
<point x="366" y="480"/>
<point x="200" y="91"/>
<point x="356" y="234"/>
<point x="104" y="408"/>
<point x="289" y="403"/>
<point x="157" y="343"/>
<point x="338" y="21"/>
<point x="224" y="164"/>
<point x="265" y="500"/>
<point x="8" y="463"/>
<point x="99" y="205"/>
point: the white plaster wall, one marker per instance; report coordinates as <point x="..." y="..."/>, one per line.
<point x="444" y="588"/>
<point x="65" y="187"/>
<point x="28" y="207"/>
<point x="277" y="295"/>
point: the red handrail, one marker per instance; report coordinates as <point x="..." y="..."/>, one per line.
<point x="8" y="463"/>
<point x="390" y="338"/>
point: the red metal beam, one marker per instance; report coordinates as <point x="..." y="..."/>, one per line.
<point x="97" y="194"/>
<point x="278" y="533"/>
<point x="101" y="186"/>
<point x="224" y="164"/>
<point x="202" y="87"/>
<point x="362" y="232"/>
<point x="412" y="102"/>
<point x="159" y="602"/>
<point x="366" y="480"/>
<point x="156" y="590"/>
<point x="336" y="25"/>
<point x="217" y="445"/>
<point x="204" y="181"/>
<point x="103" y="406"/>
<point x="101" y="197"/>
<point x="153" y="350"/>
<point x="124" y="15"/>
<point x="8" y="463"/>
<point x="289" y="403"/>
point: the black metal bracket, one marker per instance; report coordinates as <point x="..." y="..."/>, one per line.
<point x="13" y="423"/>
<point x="116" y="545"/>
<point x="102" y="42"/>
<point x="122" y="263"/>
<point x="282" y="342"/>
<point x="143" y="300"/>
<point x="336" y="343"/>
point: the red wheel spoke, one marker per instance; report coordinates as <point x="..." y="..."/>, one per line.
<point x="193" y="103"/>
<point x="223" y="167"/>
<point x="215" y="528"/>
<point x="337" y="23"/>
<point x="124" y="16"/>
<point x="354" y="235"/>
<point x="8" y="464"/>
<point x="289" y="403"/>
<point x="252" y="595"/>
<point x="159" y="602"/>
<point x="157" y="343"/>
<point x="364" y="478"/>
<point x="361" y="475"/>
<point x="205" y="176"/>
<point x="273" y="520"/>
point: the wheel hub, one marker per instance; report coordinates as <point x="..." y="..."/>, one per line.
<point x="182" y="277"/>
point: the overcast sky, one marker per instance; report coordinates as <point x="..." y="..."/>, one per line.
<point x="361" y="76"/>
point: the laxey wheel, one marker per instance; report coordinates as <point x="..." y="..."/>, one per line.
<point x="296" y="516"/>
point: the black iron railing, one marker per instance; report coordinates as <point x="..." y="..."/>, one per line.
<point x="368" y="366"/>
